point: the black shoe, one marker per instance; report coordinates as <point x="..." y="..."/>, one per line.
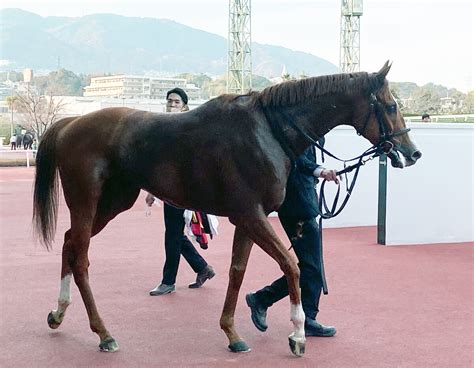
<point x="313" y="328"/>
<point x="206" y="274"/>
<point x="259" y="312"/>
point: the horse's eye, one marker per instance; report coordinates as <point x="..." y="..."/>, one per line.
<point x="391" y="109"/>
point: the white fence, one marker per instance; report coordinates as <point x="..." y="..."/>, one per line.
<point x="435" y="118"/>
<point x="430" y="202"/>
<point x="18" y="154"/>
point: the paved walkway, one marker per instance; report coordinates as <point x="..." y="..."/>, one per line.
<point x="407" y="306"/>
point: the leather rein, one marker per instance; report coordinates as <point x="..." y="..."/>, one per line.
<point x="383" y="147"/>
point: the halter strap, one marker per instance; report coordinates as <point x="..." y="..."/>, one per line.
<point x="376" y="107"/>
<point x="384" y="146"/>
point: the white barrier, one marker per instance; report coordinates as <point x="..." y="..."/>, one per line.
<point x="440" y="118"/>
<point x="430" y="202"/>
<point x="27" y="154"/>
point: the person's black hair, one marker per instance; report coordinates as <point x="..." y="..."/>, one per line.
<point x="425" y="116"/>
<point x="179" y="92"/>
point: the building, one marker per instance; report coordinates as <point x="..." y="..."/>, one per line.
<point x="78" y="105"/>
<point x="138" y="87"/>
<point x="28" y="75"/>
<point x="6" y="90"/>
<point x="448" y="104"/>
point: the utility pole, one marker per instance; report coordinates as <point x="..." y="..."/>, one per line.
<point x="12" y="101"/>
<point x="349" y="57"/>
<point x="239" y="60"/>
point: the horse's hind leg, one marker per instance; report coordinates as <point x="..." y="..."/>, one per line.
<point x="240" y="253"/>
<point x="56" y="316"/>
<point x="75" y="262"/>
<point x="116" y="197"/>
<point x="89" y="217"/>
<point x="260" y="230"/>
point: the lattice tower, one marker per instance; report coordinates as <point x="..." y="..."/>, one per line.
<point x="349" y="57"/>
<point x="239" y="61"/>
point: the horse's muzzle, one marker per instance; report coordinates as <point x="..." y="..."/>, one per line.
<point x="410" y="155"/>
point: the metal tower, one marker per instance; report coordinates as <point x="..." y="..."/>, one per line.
<point x="239" y="61"/>
<point x="349" y="57"/>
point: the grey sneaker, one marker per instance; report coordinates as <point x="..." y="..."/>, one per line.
<point x="162" y="289"/>
<point x="206" y="274"/>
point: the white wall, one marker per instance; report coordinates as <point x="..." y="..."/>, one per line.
<point x="430" y="202"/>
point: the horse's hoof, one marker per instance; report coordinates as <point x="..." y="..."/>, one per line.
<point x="52" y="323"/>
<point x="239" y="347"/>
<point x="108" y="345"/>
<point x="297" y="345"/>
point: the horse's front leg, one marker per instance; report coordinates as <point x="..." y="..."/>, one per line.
<point x="241" y="248"/>
<point x="263" y="234"/>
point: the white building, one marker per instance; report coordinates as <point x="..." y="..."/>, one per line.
<point x="138" y="87"/>
<point x="76" y="106"/>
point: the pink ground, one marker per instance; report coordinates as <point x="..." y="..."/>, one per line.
<point x="406" y="306"/>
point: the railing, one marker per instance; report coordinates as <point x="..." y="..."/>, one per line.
<point x="440" y="118"/>
<point x="21" y="153"/>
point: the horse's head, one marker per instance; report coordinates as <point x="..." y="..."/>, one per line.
<point x="379" y="120"/>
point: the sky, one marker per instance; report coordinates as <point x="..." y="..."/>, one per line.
<point x="427" y="40"/>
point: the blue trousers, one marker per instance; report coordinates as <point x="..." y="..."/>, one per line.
<point x="177" y="244"/>
<point x="307" y="249"/>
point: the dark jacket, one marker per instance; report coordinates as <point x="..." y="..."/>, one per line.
<point x="301" y="199"/>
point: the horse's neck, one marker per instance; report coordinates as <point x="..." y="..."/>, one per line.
<point x="314" y="118"/>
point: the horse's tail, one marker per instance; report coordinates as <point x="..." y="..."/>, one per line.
<point x="46" y="194"/>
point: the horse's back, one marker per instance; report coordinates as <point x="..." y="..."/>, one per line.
<point x="205" y="158"/>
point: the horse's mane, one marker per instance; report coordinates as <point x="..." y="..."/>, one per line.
<point x="304" y="90"/>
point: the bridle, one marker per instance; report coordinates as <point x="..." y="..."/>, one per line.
<point x="383" y="147"/>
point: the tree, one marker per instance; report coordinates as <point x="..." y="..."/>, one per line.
<point x="10" y="100"/>
<point x="303" y="75"/>
<point x="12" y="76"/>
<point x="37" y="111"/>
<point x="199" y="80"/>
<point x="468" y="103"/>
<point x="215" y="87"/>
<point x="60" y="83"/>
<point x="259" y="83"/>
<point x="425" y="100"/>
<point x="395" y="90"/>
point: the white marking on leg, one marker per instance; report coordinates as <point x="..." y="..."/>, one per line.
<point x="64" y="298"/>
<point x="298" y="317"/>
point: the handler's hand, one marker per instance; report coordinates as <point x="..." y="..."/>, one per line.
<point x="150" y="198"/>
<point x="329" y="175"/>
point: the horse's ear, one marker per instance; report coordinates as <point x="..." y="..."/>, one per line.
<point x="382" y="73"/>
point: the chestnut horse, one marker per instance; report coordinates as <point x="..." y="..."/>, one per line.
<point x="228" y="157"/>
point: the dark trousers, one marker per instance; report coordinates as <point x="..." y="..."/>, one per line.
<point x="176" y="243"/>
<point x="307" y="249"/>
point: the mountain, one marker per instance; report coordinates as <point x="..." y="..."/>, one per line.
<point x="107" y="43"/>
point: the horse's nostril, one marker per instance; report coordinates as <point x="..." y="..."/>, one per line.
<point x="416" y="155"/>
